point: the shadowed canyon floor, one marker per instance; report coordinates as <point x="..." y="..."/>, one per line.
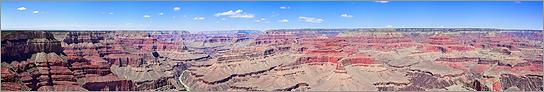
<point x="369" y="59"/>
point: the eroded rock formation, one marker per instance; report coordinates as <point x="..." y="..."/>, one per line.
<point x="368" y="59"/>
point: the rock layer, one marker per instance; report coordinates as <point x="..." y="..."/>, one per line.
<point x="368" y="59"/>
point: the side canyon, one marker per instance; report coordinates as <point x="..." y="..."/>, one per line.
<point x="365" y="59"/>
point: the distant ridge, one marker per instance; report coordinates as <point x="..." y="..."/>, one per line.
<point x="309" y="29"/>
<point x="98" y="30"/>
<point x="231" y="32"/>
<point x="407" y="29"/>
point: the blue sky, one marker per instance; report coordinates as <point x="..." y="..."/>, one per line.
<point x="212" y="16"/>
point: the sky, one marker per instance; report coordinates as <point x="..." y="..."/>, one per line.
<point x="215" y="16"/>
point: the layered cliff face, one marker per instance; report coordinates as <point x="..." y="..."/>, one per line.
<point x="38" y="61"/>
<point x="108" y="63"/>
<point x="372" y="60"/>
<point x="51" y="73"/>
<point x="223" y="71"/>
<point x="276" y="60"/>
<point x="385" y="40"/>
<point x="80" y="37"/>
<point x="84" y="51"/>
<point x="11" y="81"/>
<point x="21" y="45"/>
<point x="46" y="72"/>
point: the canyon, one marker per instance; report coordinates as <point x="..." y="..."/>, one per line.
<point x="363" y="59"/>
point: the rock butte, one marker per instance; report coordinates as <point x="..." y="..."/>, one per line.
<point x="368" y="59"/>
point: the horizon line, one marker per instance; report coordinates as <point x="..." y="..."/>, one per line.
<point x="174" y="30"/>
<point x="259" y="30"/>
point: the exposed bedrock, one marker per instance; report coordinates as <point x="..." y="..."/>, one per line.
<point x="80" y="37"/>
<point x="153" y="77"/>
<point x="221" y="74"/>
<point x="428" y="81"/>
<point x="524" y="83"/>
<point x="11" y="81"/>
<point x="21" y="45"/>
<point x="388" y="59"/>
<point x="91" y="71"/>
<point x="47" y="72"/>
<point x="110" y="85"/>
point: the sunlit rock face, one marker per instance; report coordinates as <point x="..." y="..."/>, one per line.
<point x="368" y="59"/>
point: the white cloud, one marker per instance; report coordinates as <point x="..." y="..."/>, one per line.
<point x="177" y="8"/>
<point x="161" y="13"/>
<point x="110" y="13"/>
<point x="36" y="12"/>
<point x="230" y="12"/>
<point x="147" y="16"/>
<point x="235" y="14"/>
<point x="199" y="18"/>
<point x="260" y="20"/>
<point x="285" y="7"/>
<point x="382" y="1"/>
<point x="346" y="15"/>
<point x="311" y="20"/>
<point x="21" y="8"/>
<point x="283" y="21"/>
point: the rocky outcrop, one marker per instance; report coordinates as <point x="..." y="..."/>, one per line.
<point x="122" y="60"/>
<point x="90" y="66"/>
<point x="91" y="71"/>
<point x="463" y="59"/>
<point x="428" y="81"/>
<point x="11" y="80"/>
<point x="506" y="40"/>
<point x="81" y="37"/>
<point x="48" y="72"/>
<point x="524" y="83"/>
<point x="368" y="59"/>
<point x="275" y="38"/>
<point x="386" y="40"/>
<point x="221" y="74"/>
<point x="21" y="45"/>
<point x="444" y="43"/>
<point x="106" y="83"/>
<point x="41" y="64"/>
